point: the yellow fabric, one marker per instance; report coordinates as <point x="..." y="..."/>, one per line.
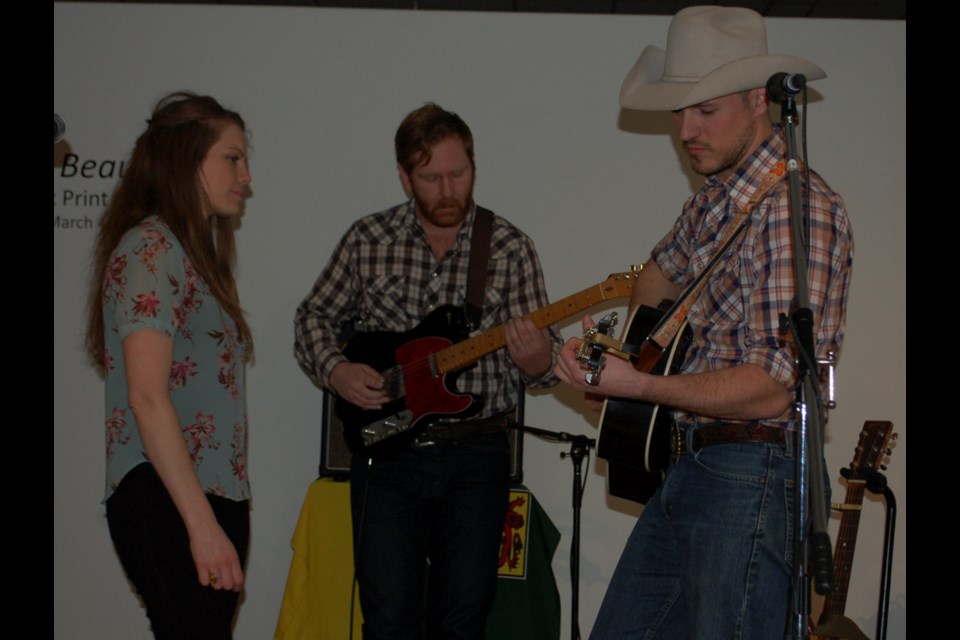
<point x="316" y="600"/>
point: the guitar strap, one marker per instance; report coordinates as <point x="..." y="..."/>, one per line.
<point x="670" y="325"/>
<point x="477" y="269"/>
<point x="775" y="175"/>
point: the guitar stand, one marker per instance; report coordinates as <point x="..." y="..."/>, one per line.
<point x="579" y="449"/>
<point x="877" y="484"/>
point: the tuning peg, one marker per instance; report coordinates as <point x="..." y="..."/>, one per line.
<point x="593" y="377"/>
<point x="608" y="322"/>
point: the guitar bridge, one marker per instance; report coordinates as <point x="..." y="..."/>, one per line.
<point x="386" y="427"/>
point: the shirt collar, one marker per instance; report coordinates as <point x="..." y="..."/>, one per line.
<point x="741" y="186"/>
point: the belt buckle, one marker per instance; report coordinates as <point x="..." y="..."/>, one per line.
<point x="677" y="436"/>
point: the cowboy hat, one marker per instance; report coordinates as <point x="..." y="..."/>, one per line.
<point x="711" y="52"/>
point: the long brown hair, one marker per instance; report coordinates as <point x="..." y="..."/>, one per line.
<point x="161" y="179"/>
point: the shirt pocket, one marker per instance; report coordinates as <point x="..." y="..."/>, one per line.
<point x="721" y="306"/>
<point x="389" y="302"/>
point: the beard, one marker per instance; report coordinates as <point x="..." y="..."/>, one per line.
<point x="446" y="212"/>
<point x="723" y="160"/>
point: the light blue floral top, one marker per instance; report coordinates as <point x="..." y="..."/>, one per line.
<point x="150" y="283"/>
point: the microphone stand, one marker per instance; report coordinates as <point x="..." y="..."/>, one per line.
<point x="809" y="497"/>
<point x="579" y="449"/>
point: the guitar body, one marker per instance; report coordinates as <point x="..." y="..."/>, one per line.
<point x="634" y="436"/>
<point x="427" y="395"/>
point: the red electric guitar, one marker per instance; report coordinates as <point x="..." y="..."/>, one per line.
<point x="419" y="368"/>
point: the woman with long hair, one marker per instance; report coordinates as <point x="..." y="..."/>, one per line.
<point x="167" y="332"/>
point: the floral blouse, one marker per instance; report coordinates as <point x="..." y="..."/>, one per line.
<point x="150" y="283"/>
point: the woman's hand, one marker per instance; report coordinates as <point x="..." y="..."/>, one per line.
<point x="218" y="564"/>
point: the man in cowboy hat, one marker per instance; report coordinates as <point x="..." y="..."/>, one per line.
<point x="710" y="557"/>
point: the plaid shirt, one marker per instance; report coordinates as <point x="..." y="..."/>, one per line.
<point x="384" y="273"/>
<point x="736" y="320"/>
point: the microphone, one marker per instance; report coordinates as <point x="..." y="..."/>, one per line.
<point x="59" y="128"/>
<point x="782" y="86"/>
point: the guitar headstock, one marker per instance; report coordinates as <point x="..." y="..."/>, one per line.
<point x="596" y="340"/>
<point x="620" y="285"/>
<point x="873" y="446"/>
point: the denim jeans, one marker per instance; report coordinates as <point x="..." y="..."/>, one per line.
<point x="429" y="521"/>
<point x="711" y="555"/>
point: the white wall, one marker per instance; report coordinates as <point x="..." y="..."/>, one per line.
<point x="323" y="91"/>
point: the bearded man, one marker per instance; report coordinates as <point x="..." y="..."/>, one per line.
<point x="437" y="504"/>
<point x="711" y="555"/>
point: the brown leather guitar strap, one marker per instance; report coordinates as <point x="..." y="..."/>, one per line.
<point x="477" y="270"/>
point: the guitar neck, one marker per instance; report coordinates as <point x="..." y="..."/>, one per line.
<point x="836" y="602"/>
<point x="873" y="444"/>
<point x="469" y="351"/>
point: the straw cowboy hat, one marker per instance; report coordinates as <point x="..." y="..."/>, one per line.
<point x="711" y="52"/>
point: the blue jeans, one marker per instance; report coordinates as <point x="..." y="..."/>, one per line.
<point x="444" y="505"/>
<point x="711" y="555"/>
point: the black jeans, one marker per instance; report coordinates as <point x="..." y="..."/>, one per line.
<point x="429" y="521"/>
<point x="151" y="541"/>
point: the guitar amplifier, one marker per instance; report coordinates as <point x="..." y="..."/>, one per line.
<point x="335" y="456"/>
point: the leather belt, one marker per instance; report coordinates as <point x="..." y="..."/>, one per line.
<point x="457" y="432"/>
<point x="725" y="433"/>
